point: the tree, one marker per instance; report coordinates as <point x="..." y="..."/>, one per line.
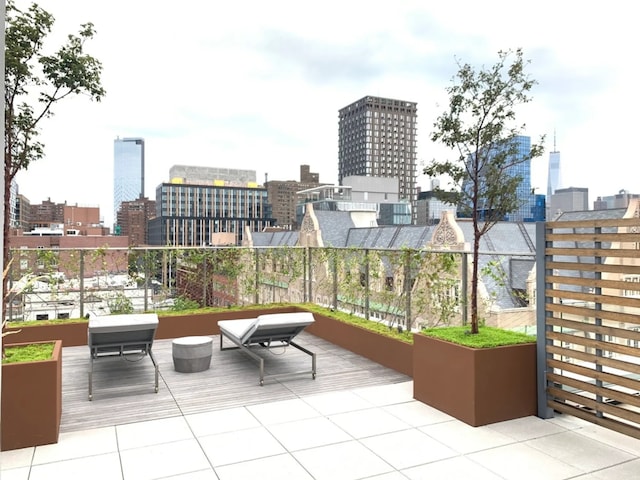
<point x="34" y="82"/>
<point x="480" y="127"/>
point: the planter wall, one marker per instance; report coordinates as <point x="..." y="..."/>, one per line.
<point x="390" y="352"/>
<point x="71" y="334"/>
<point x="477" y="386"/>
<point x="32" y="401"/>
<point x="74" y="334"/>
<point x="175" y="326"/>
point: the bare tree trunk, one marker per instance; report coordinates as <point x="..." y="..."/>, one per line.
<point x="474" y="286"/>
<point x="6" y="219"/>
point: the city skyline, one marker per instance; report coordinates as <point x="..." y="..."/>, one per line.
<point x="211" y="85"/>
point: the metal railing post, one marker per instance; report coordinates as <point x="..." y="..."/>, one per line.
<point x="147" y="273"/>
<point x="541" y="319"/>
<point x="334" y="272"/>
<point x="408" y="322"/>
<point x="256" y="283"/>
<point x="204" y="280"/>
<point x="81" y="284"/>
<point x="598" y="322"/>
<point x="367" y="284"/>
<point x="310" y="273"/>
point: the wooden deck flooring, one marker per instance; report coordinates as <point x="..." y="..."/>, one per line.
<point x="123" y="390"/>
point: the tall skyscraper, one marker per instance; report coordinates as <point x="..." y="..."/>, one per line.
<point x="553" y="180"/>
<point x="128" y="171"/>
<point x="377" y="138"/>
<point x="528" y="210"/>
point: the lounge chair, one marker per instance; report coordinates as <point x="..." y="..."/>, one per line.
<point x="121" y="335"/>
<point x="267" y="331"/>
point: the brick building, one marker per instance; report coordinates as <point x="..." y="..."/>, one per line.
<point x="282" y="196"/>
<point x="132" y="219"/>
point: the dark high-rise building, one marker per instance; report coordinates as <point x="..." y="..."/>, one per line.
<point x="377" y="138"/>
<point x="128" y="171"/>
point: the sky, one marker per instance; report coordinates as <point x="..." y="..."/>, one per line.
<point x="257" y="85"/>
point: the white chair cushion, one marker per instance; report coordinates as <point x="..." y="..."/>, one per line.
<point x="239" y="329"/>
<point x="289" y="319"/>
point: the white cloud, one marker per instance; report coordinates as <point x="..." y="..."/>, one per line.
<point x="258" y="85"/>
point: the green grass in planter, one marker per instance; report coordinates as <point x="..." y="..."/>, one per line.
<point x="487" y="337"/>
<point x="230" y="308"/>
<point x="28" y="353"/>
<point x="372" y="325"/>
<point x="53" y="321"/>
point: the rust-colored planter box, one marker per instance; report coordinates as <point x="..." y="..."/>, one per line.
<point x="74" y="334"/>
<point x="32" y="401"/>
<point x="71" y="334"/>
<point x="206" y="323"/>
<point x="478" y="386"/>
<point x="387" y="351"/>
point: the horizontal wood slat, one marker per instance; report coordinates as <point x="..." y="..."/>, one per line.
<point x="611" y="409"/>
<point x="589" y="358"/>
<point x="590" y="416"/>
<point x="597" y="223"/>
<point x="592" y="324"/>
<point x="593" y="283"/>
<point x="619" y="333"/>
<point x="591" y="343"/>
<point x="593" y="267"/>
<point x="590" y="297"/>
<point x="589" y="312"/>
<point x="593" y="252"/>
<point x="609" y="394"/>
<point x="609" y="378"/>
<point x="592" y="237"/>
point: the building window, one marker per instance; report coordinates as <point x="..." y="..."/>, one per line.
<point x="388" y="283"/>
<point x="634" y="288"/>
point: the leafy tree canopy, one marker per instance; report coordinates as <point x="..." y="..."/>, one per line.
<point x="34" y="82"/>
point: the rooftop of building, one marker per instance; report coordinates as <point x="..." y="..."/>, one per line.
<point x="356" y="420"/>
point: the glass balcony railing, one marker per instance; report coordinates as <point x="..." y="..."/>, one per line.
<point x="408" y="288"/>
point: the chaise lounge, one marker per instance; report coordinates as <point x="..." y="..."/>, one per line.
<point x="267" y="331"/>
<point x="122" y="336"/>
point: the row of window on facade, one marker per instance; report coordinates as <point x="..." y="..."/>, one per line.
<point x="359" y="133"/>
<point x="632" y="292"/>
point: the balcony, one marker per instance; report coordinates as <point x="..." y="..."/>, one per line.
<point x="357" y="419"/>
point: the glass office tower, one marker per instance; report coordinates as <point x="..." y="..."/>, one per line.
<point x="128" y="171"/>
<point x="528" y="210"/>
<point x="553" y="179"/>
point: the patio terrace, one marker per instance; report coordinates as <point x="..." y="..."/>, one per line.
<point x="356" y="420"/>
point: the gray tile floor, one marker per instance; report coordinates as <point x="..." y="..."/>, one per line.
<point x="376" y="432"/>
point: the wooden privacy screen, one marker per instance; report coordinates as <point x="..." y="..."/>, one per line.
<point x="592" y="317"/>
